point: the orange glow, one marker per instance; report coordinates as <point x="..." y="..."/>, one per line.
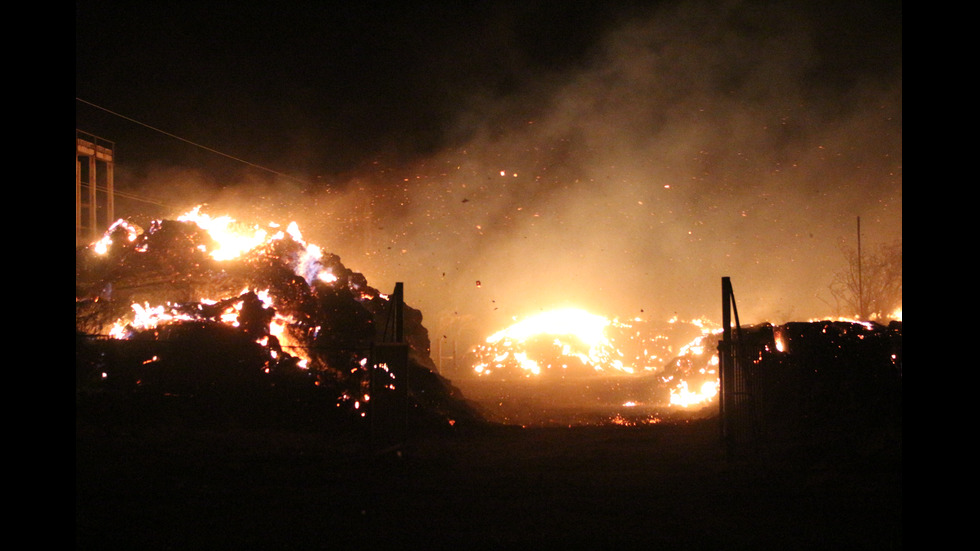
<point x="131" y="233"/>
<point x="578" y="335"/>
<point x="571" y="343"/>
<point x="682" y="396"/>
<point x="570" y="321"/>
<point x="232" y="240"/>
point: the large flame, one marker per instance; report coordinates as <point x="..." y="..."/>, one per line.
<point x="588" y="328"/>
<point x="571" y="342"/>
<point x="120" y="227"/>
<point x="232" y="240"/>
<point x="578" y="334"/>
<point x="682" y="396"/>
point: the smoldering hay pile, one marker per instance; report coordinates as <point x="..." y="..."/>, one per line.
<point x="168" y="311"/>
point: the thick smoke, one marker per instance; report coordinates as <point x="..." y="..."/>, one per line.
<point x="694" y="145"/>
<point x="699" y="141"/>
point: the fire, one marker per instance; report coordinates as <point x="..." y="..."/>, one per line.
<point x="146" y="317"/>
<point x="120" y="227"/>
<point x="231" y="240"/>
<point x="579" y="336"/>
<point x="682" y="396"/>
<point x="234" y="240"/>
<point x="588" y="328"/>
<point x="572" y="343"/>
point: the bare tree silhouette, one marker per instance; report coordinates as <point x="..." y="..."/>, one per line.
<point x="870" y="285"/>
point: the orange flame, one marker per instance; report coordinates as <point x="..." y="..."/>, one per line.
<point x="577" y="337"/>
<point x="232" y="241"/>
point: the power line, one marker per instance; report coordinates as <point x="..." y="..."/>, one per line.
<point x="176" y="137"/>
<point x="126" y="195"/>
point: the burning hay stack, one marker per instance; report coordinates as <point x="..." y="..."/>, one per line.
<point x="203" y="306"/>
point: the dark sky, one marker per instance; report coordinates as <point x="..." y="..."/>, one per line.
<point x="621" y="156"/>
<point x="312" y="88"/>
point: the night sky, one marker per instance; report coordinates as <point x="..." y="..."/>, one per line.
<point x="618" y="156"/>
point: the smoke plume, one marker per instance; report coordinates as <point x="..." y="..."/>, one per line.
<point x="684" y="143"/>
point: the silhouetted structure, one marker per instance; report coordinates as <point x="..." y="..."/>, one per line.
<point x="389" y="379"/>
<point x="736" y="400"/>
<point x="826" y="386"/>
<point x="94" y="193"/>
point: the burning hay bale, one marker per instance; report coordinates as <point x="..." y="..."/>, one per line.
<point x="572" y="358"/>
<point x="550" y="367"/>
<point x="829" y="387"/>
<point x="200" y="307"/>
<point x="843" y="372"/>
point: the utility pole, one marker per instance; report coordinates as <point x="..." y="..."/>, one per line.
<point x="861" y="312"/>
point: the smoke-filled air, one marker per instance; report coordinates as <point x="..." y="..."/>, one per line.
<point x="685" y="142"/>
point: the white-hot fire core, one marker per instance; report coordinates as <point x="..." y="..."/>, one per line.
<point x="572" y="342"/>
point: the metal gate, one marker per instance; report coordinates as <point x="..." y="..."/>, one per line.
<point x="738" y="403"/>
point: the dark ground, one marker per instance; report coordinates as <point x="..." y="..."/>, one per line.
<point x="183" y="486"/>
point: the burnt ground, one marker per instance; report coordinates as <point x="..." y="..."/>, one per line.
<point x="223" y="485"/>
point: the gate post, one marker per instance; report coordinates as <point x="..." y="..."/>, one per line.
<point x="726" y="365"/>
<point x="389" y="380"/>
